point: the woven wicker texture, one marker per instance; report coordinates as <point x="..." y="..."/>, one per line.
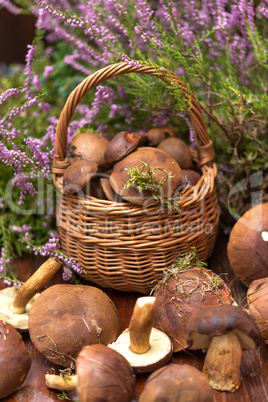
<point x="125" y="246"/>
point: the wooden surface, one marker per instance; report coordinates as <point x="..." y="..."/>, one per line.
<point x="254" y="368"/>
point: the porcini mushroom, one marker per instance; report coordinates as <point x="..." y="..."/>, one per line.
<point x="183" y="292"/>
<point x="109" y="191"/>
<point x="77" y="175"/>
<point x="179" y="151"/>
<point x="15" y="359"/>
<point x="248" y="245"/>
<point x="90" y="146"/>
<point x="65" y="318"/>
<point x="102" y="374"/>
<point x="177" y="382"/>
<point x="121" y="145"/>
<point x="145" y="347"/>
<point x="160" y="162"/>
<point x="16" y="303"/>
<point x="257" y="296"/>
<point x="222" y="331"/>
<point x="158" y="134"/>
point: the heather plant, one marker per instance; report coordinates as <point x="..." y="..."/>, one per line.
<point x="218" y="48"/>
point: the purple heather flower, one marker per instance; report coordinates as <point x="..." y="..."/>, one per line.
<point x="48" y="71"/>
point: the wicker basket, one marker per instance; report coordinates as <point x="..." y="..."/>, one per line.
<point x="121" y="245"/>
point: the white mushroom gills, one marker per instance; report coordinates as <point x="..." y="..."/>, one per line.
<point x="146" y="348"/>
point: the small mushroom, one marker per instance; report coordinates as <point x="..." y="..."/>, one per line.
<point x="77" y="175"/>
<point x="109" y="191"/>
<point x="159" y="162"/>
<point x="177" y="382"/>
<point x="247" y="248"/>
<point x="65" y="318"/>
<point x="15" y="359"/>
<point x="90" y="146"/>
<point x="222" y="331"/>
<point x="145" y="347"/>
<point x="122" y="145"/>
<point x="102" y="374"/>
<point x="257" y="296"/>
<point x="158" y="134"/>
<point x="179" y="151"/>
<point x="190" y="177"/>
<point x="16" y="303"/>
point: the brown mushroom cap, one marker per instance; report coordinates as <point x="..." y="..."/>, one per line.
<point x="177" y="382"/>
<point x="257" y="296"/>
<point x="103" y="374"/>
<point x="15" y="360"/>
<point x="220" y="320"/>
<point x="179" y="150"/>
<point x="77" y="175"/>
<point x="64" y="318"/>
<point x="190" y="177"/>
<point x="120" y="146"/>
<point x="109" y="191"/>
<point x="158" y="134"/>
<point x="248" y="245"/>
<point x="157" y="159"/>
<point x="182" y="294"/>
<point x="90" y="146"/>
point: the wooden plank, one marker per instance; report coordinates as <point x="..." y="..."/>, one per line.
<point x="254" y="367"/>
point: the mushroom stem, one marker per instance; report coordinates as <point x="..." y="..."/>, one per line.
<point x="222" y="362"/>
<point x="34" y="284"/>
<point x="62" y="383"/>
<point x="141" y="324"/>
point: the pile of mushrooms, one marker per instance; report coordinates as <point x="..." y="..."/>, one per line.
<point x="99" y="167"/>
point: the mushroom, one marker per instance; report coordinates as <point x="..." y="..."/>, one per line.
<point x="15" y="359"/>
<point x="102" y="374"/>
<point x="257" y="296"/>
<point x="90" y="146"/>
<point x="77" y="175"/>
<point x="247" y="248"/>
<point x="222" y="331"/>
<point x="65" y="318"/>
<point x="121" y="145"/>
<point x="158" y="134"/>
<point x="181" y="293"/>
<point x="109" y="191"/>
<point x="145" y="347"/>
<point x="159" y="162"/>
<point x="189" y="177"/>
<point x="177" y="382"/>
<point x="179" y="150"/>
<point x="16" y="303"/>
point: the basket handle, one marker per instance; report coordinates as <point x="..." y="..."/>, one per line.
<point x="205" y="148"/>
